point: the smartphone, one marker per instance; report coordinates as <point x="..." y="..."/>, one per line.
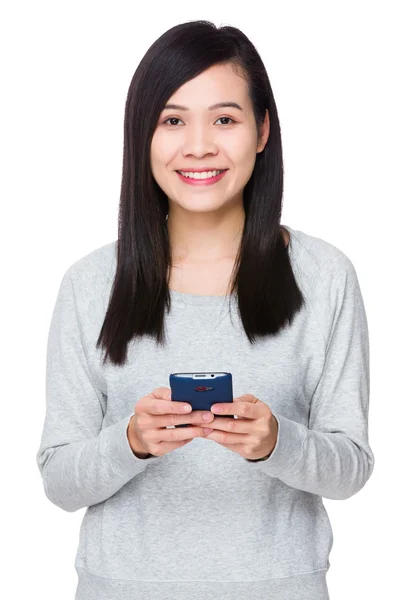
<point x="201" y="390"/>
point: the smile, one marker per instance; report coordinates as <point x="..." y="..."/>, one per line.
<point x="205" y="178"/>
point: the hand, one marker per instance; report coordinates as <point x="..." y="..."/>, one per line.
<point x="153" y="413"/>
<point x="253" y="434"/>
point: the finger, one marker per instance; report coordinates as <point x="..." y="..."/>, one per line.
<point x="240" y="408"/>
<point x="156" y="405"/>
<point x="172" y="420"/>
<point x="232" y="425"/>
<point x="155" y="436"/>
<point x="225" y="438"/>
<point x="162" y="392"/>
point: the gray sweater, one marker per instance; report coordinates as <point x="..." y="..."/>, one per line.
<point x="201" y="522"/>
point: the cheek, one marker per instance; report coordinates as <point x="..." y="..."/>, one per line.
<point x="156" y="147"/>
<point x="162" y="151"/>
<point x="241" y="148"/>
<point x="243" y="159"/>
<point x="243" y="166"/>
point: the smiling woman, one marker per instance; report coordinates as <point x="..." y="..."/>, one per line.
<point x="172" y="513"/>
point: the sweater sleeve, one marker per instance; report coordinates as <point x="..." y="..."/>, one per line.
<point x="81" y="463"/>
<point x="332" y="457"/>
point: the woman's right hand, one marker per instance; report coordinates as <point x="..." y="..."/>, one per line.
<point x="147" y="433"/>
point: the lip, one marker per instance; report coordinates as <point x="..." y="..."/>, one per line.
<point x="202" y="170"/>
<point x="202" y="182"/>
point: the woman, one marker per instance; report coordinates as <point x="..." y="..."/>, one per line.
<point x="203" y="277"/>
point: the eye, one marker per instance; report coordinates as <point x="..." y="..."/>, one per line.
<point x="176" y="119"/>
<point x="230" y="119"/>
<point x="171" y="119"/>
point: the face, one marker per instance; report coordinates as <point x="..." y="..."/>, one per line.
<point x="196" y="136"/>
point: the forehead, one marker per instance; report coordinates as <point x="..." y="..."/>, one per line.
<point x="216" y="84"/>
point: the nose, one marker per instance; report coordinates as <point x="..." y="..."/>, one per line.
<point x="199" y="141"/>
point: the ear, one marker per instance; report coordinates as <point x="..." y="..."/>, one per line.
<point x="264" y="133"/>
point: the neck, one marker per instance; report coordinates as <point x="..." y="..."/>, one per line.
<point x="205" y="238"/>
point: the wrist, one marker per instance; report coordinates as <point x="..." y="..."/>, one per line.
<point x="134" y="443"/>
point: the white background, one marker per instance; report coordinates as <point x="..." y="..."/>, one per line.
<point x="338" y="74"/>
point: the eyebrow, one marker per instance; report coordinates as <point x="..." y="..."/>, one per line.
<point x="213" y="107"/>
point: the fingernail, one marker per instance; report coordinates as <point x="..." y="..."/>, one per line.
<point x="206" y="430"/>
<point x="207" y="416"/>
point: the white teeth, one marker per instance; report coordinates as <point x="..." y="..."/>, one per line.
<point x="204" y="175"/>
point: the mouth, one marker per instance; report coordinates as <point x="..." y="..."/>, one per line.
<point x="202" y="178"/>
<point x="201" y="174"/>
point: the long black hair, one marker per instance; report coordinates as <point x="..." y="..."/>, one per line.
<point x="262" y="279"/>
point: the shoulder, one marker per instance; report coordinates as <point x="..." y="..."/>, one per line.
<point x="88" y="280"/>
<point x="316" y="260"/>
<point x="328" y="279"/>
<point x="94" y="268"/>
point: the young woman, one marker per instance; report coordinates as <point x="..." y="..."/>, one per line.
<point x="203" y="277"/>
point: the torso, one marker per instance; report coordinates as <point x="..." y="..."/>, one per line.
<point x="205" y="279"/>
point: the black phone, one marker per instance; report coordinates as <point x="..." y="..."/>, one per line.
<point x="202" y="389"/>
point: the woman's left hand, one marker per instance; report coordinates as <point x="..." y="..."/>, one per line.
<point x="253" y="434"/>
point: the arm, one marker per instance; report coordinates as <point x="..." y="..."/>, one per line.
<point x="332" y="458"/>
<point x="80" y="462"/>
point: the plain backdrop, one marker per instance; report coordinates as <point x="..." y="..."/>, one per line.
<point x="338" y="74"/>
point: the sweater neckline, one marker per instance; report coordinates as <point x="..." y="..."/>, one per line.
<point x="182" y="298"/>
